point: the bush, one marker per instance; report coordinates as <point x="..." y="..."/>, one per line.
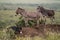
<point x="10" y="34"/>
<point x="2" y="24"/>
<point x="21" y="23"/>
<point x="32" y="23"/>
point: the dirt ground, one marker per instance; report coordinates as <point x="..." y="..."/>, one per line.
<point x="41" y="30"/>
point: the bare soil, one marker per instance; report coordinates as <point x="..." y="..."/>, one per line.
<point x="40" y="30"/>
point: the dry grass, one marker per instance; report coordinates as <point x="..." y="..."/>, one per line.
<point x="8" y="15"/>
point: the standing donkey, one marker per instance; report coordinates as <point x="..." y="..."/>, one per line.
<point x="46" y="13"/>
<point x="28" y="15"/>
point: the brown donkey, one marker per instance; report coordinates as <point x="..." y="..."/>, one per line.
<point x="29" y="15"/>
<point x="46" y="13"/>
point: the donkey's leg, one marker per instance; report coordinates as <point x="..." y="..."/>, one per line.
<point x="26" y="21"/>
<point x="37" y="22"/>
<point x="44" y="20"/>
<point x="52" y="20"/>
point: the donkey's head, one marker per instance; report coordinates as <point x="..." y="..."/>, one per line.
<point x="40" y="8"/>
<point x="19" y="11"/>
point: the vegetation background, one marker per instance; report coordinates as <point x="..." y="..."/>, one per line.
<point x="8" y="19"/>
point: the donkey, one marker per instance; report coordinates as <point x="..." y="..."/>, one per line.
<point x="28" y="15"/>
<point x="46" y="13"/>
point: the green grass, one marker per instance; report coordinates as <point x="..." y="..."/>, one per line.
<point x="8" y="17"/>
<point x="29" y="38"/>
<point x="57" y="17"/>
<point x="50" y="36"/>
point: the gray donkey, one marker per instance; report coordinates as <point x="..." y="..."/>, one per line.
<point x="29" y="15"/>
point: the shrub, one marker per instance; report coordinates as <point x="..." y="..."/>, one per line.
<point x="21" y="23"/>
<point x="32" y="23"/>
<point x="2" y="24"/>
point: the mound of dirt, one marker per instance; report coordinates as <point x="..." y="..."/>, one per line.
<point x="31" y="32"/>
<point x="40" y="30"/>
